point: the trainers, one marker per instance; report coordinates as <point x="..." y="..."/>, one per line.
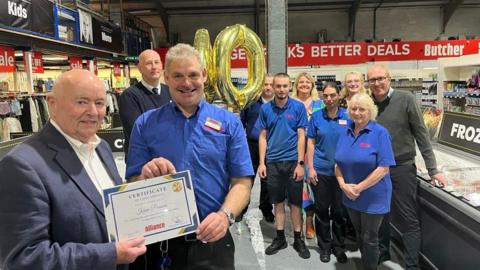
<point x="276" y="245"/>
<point x="301" y="248"/>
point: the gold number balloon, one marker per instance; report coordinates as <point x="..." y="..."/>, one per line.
<point x="219" y="66"/>
<point x="229" y="39"/>
<point x="202" y="44"/>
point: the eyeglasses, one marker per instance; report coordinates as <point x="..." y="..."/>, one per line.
<point x="378" y="79"/>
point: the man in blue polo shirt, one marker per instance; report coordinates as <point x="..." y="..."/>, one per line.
<point x="282" y="125"/>
<point x="249" y="117"/>
<point x="189" y="133"/>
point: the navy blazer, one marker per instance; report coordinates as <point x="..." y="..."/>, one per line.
<point x="51" y="214"/>
<point x="136" y="100"/>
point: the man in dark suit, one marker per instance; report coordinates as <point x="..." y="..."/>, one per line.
<point x="51" y="210"/>
<point x="148" y="94"/>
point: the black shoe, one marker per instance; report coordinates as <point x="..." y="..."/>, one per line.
<point x="276" y="245"/>
<point x="384" y="257"/>
<point x="341" y="257"/>
<point x="324" y="256"/>
<point x="301" y="248"/>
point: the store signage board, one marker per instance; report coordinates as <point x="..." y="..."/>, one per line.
<point x="43" y="17"/>
<point x="117" y="71"/>
<point x="461" y="131"/>
<point x="75" y="62"/>
<point x="107" y="36"/>
<point x="37" y="62"/>
<point x="16" y="14"/>
<point x="28" y="15"/>
<point x="7" y="59"/>
<point x="66" y="23"/>
<point x="114" y="138"/>
<point x="342" y="53"/>
<point x="85" y="27"/>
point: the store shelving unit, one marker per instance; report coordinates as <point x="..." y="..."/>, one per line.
<point x="453" y="89"/>
<point x="428" y="97"/>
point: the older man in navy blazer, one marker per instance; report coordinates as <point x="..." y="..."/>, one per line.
<point x="51" y="211"/>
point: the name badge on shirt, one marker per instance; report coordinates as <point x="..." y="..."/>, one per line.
<point x="342" y="122"/>
<point x="213" y="124"/>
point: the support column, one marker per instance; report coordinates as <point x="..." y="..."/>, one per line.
<point x="277" y="35"/>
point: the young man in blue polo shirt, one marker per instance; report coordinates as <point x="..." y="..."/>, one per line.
<point x="191" y="134"/>
<point x="282" y="125"/>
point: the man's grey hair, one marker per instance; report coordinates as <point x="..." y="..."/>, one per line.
<point x="182" y="50"/>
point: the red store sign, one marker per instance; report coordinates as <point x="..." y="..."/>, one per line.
<point x="7" y="59"/>
<point x="37" y="62"/>
<point x="75" y="62"/>
<point x="342" y="53"/>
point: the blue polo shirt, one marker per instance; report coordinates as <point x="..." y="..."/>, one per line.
<point x="249" y="117"/>
<point x="357" y="157"/>
<point x="213" y="154"/>
<point x="325" y="131"/>
<point x="281" y="125"/>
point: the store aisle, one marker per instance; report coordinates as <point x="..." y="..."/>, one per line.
<point x="252" y="235"/>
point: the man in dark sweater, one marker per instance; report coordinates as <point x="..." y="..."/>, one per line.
<point x="399" y="113"/>
<point x="148" y="94"/>
<point x="249" y="117"/>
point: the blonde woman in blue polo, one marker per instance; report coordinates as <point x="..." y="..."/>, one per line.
<point x="363" y="158"/>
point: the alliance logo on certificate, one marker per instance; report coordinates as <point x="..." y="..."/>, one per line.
<point x="158" y="209"/>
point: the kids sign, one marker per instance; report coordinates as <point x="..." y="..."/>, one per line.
<point x="342" y="53"/>
<point x="7" y="59"/>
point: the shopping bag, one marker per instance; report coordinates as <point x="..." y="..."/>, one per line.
<point x="307" y="195"/>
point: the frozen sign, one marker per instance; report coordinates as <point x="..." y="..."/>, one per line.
<point x="461" y="131"/>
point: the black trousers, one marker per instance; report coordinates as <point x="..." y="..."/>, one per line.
<point x="149" y="260"/>
<point x="187" y="253"/>
<point x="367" y="227"/>
<point x="403" y="214"/>
<point x="265" y="205"/>
<point x="330" y="214"/>
<point x="195" y="255"/>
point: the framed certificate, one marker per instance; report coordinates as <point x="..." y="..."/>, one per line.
<point x="158" y="208"/>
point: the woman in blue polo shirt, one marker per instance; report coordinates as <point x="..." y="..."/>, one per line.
<point x="323" y="130"/>
<point x="363" y="157"/>
<point x="304" y="91"/>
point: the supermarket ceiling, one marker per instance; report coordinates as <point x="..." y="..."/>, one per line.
<point x="157" y="12"/>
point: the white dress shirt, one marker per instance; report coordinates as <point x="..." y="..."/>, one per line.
<point x="90" y="160"/>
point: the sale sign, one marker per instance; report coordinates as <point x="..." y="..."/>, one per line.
<point x="7" y="59"/>
<point x="117" y="71"/>
<point x="37" y="62"/>
<point x="75" y="62"/>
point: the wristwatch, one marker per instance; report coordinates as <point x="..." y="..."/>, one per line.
<point x="301" y="162"/>
<point x="229" y="214"/>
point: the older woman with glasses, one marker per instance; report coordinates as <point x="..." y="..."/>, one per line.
<point x="363" y="158"/>
<point x="353" y="83"/>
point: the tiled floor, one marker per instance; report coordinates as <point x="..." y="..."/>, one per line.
<point x="252" y="235"/>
